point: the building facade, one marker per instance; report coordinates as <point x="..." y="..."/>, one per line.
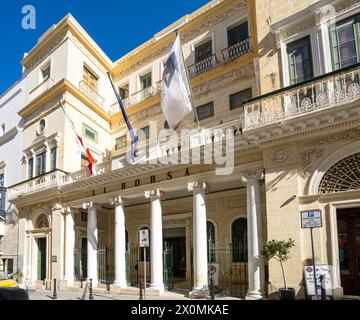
<point x="11" y="130"/>
<point x="279" y="74"/>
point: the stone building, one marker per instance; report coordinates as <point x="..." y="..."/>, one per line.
<point x="277" y="73"/>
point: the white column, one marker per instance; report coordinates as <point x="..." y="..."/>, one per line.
<point x="254" y="231"/>
<point x="120" y="253"/>
<point x="156" y="241"/>
<point x="92" y="244"/>
<point x="199" y="237"/>
<point x="69" y="247"/>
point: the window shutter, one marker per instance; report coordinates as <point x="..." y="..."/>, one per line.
<point x="357" y="37"/>
<point x="333" y="49"/>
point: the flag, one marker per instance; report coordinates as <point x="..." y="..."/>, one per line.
<point x="133" y="137"/>
<point x="87" y="150"/>
<point x="175" y="88"/>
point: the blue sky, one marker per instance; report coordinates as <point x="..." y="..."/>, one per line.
<point x="117" y="26"/>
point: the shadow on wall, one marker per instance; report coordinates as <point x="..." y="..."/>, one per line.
<point x="279" y="178"/>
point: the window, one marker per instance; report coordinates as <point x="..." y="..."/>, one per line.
<point x="2" y="179"/>
<point x="345" y="43"/>
<point x="53" y="156"/>
<point x="239" y="240"/>
<point x="211" y="241"/>
<point x="90" y="79"/>
<point x="145" y="81"/>
<point x="31" y="168"/>
<point x="90" y="133"/>
<point x="9" y="266"/>
<point x="205" y="111"/>
<point x="146" y="131"/>
<point x="124" y="92"/>
<point x="203" y="51"/>
<point x="300" y="60"/>
<point x="238" y="34"/>
<point x="147" y="249"/>
<point x="2" y="202"/>
<point x="42" y="222"/>
<point x="238" y="99"/>
<point x="121" y="143"/>
<point x="45" y="72"/>
<point x="84" y="161"/>
<point x="41" y="164"/>
<point x="84" y="216"/>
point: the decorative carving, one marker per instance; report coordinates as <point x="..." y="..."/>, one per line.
<point x="343" y="176"/>
<point x="353" y="134"/>
<point x="299" y="27"/>
<point x="42" y="222"/>
<point x="197" y="185"/>
<point x="279" y="155"/>
<point x="153" y="194"/>
<point x="307" y="159"/>
<point x="252" y="175"/>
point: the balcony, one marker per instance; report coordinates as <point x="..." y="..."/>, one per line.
<point x="84" y="173"/>
<point x="54" y="178"/>
<point x="236" y="50"/>
<point x="202" y="66"/>
<point x="91" y="94"/>
<point x="144" y="94"/>
<point x="40" y="89"/>
<point x="308" y="98"/>
<point x="115" y="108"/>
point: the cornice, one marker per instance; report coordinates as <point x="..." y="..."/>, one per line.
<point x="61" y="87"/>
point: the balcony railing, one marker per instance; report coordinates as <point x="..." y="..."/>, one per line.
<point x="115" y="108"/>
<point x="236" y="50"/>
<point x="326" y="91"/>
<point x="40" y="89"/>
<point x="51" y="179"/>
<point x="91" y="94"/>
<point x="84" y="173"/>
<point x="143" y="94"/>
<point x="202" y="66"/>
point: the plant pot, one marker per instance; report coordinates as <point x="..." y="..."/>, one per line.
<point x="287" y="294"/>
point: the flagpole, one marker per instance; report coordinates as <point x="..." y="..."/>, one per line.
<point x="190" y="87"/>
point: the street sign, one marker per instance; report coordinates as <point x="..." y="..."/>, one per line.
<point x="144" y="238"/>
<point x="214" y="271"/>
<point x="311" y="219"/>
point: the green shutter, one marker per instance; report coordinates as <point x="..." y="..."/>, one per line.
<point x="333" y="48"/>
<point x="357" y="37"/>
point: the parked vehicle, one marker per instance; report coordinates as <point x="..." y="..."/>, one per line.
<point x="5" y="281"/>
<point x="14" y="293"/>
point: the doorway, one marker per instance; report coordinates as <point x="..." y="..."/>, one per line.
<point x="348" y="223"/>
<point x="83" y="258"/>
<point x="178" y="248"/>
<point x="41" y="259"/>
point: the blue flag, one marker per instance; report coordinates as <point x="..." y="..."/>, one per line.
<point x="134" y="138"/>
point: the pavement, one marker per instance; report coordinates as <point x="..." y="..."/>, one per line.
<point x="41" y="294"/>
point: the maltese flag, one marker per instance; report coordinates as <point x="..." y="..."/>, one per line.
<point x="175" y="88"/>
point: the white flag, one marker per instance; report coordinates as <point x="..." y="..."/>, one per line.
<point x="175" y="89"/>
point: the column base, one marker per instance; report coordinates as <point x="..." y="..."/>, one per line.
<point x="120" y="285"/>
<point x="157" y="287"/>
<point x="199" y="293"/>
<point x="253" y="295"/>
<point x="69" y="281"/>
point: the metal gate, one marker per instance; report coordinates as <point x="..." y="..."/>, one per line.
<point x="105" y="271"/>
<point x="80" y="264"/>
<point x="168" y="266"/>
<point x="232" y="266"/>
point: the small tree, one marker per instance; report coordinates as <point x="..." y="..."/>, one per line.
<point x="279" y="250"/>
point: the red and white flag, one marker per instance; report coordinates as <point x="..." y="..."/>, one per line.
<point x="87" y="150"/>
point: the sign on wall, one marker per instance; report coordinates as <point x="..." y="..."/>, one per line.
<point x="311" y="219"/>
<point x="213" y="270"/>
<point x="144" y="238"/>
<point x="324" y="271"/>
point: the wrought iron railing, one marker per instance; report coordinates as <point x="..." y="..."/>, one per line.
<point x="41" y="88"/>
<point x="324" y="92"/>
<point x="91" y="94"/>
<point x="143" y="94"/>
<point x="202" y="66"/>
<point x="115" y="108"/>
<point x="236" y="50"/>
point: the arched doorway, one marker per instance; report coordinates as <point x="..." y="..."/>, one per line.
<point x="40" y="262"/>
<point x="344" y="176"/>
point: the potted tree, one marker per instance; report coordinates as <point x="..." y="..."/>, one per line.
<point x="280" y="250"/>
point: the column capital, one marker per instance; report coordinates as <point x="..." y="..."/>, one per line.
<point x="91" y="205"/>
<point x="116" y="201"/>
<point x="196" y="185"/>
<point x="252" y="175"/>
<point x="153" y="194"/>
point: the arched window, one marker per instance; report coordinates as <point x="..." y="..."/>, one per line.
<point x="147" y="248"/>
<point x="239" y="240"/>
<point x="42" y="222"/>
<point x="211" y="241"/>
